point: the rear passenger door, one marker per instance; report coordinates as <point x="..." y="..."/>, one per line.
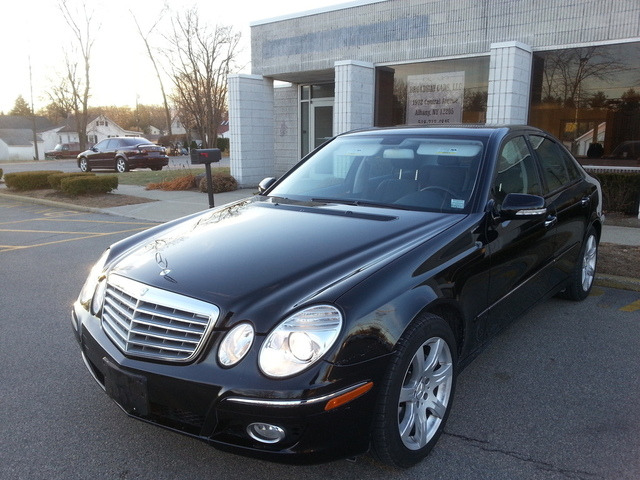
<point x="568" y="195"/>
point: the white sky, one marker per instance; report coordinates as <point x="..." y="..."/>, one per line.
<point x="120" y="67"/>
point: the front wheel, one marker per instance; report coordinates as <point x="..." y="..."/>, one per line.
<point x="84" y="165"/>
<point x="121" y="165"/>
<point x="416" y="394"/>
<point x="584" y="272"/>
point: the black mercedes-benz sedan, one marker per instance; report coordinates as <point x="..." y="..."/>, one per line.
<point x="330" y="314"/>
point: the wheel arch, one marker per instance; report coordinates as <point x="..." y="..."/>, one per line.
<point x="597" y="226"/>
<point x="451" y="314"/>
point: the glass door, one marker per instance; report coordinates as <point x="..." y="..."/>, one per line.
<point x="321" y="121"/>
<point x="316" y="116"/>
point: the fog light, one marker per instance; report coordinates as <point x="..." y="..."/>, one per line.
<point x="265" y="433"/>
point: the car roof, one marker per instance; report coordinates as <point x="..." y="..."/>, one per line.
<point x="467" y="130"/>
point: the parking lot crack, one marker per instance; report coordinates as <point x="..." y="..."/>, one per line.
<point x="485" y="446"/>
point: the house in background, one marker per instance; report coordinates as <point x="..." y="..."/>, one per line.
<point x="16" y="137"/>
<point x="98" y="128"/>
<point x="17" y="144"/>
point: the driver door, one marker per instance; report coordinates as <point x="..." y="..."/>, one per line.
<point x="520" y="249"/>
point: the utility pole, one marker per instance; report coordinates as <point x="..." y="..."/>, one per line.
<point x="33" y="116"/>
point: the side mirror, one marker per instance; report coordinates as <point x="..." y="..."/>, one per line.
<point x="522" y="206"/>
<point x="94" y="149"/>
<point x="265" y="184"/>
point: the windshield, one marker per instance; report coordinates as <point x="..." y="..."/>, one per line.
<point x="400" y="171"/>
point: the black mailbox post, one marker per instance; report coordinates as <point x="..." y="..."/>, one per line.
<point x="206" y="156"/>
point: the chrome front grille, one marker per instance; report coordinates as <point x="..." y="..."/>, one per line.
<point x="149" y="322"/>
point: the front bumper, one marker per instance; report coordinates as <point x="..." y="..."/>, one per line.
<point x="217" y="405"/>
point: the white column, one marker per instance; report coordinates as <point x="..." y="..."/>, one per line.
<point x="251" y="128"/>
<point x="354" y="96"/>
<point x="509" y="83"/>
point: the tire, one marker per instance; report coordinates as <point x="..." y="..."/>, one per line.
<point x="121" y="165"/>
<point x="584" y="272"/>
<point x="84" y="165"/>
<point x="416" y="393"/>
<point x="156" y="169"/>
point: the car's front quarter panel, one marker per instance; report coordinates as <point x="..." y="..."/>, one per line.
<point x="449" y="272"/>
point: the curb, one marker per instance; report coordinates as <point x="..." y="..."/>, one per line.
<point x="52" y="203"/>
<point x="614" y="281"/>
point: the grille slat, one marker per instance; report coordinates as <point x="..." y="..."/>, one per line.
<point x="159" y="345"/>
<point x="153" y="323"/>
<point x="165" y="336"/>
<point x="118" y="316"/>
<point x="170" y="315"/>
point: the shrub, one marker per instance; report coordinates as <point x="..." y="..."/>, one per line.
<point x="221" y="183"/>
<point x="0" y="173"/>
<point x="186" y="182"/>
<point x="79" y="185"/>
<point x="620" y="191"/>
<point x="29" y="180"/>
<point x="56" y="179"/>
<point x="222" y="144"/>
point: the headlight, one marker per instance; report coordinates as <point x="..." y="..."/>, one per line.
<point x="300" y="341"/>
<point x="235" y="344"/>
<point x="86" y="294"/>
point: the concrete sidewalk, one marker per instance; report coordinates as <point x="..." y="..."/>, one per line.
<point x="171" y="205"/>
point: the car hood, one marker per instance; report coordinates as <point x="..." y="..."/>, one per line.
<point x="264" y="254"/>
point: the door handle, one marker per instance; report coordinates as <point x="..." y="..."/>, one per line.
<point x="550" y="221"/>
<point x="585" y="201"/>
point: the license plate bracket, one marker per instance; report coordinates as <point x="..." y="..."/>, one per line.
<point x="127" y="389"/>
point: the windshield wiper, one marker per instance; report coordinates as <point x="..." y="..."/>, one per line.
<point x="342" y="201"/>
<point x="360" y="203"/>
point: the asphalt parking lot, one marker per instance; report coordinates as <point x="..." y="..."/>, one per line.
<point x="555" y="396"/>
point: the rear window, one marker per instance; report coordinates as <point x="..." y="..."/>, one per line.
<point x="133" y="141"/>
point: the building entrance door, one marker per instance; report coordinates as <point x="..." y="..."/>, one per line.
<point x="316" y="116"/>
<point x="321" y="121"/>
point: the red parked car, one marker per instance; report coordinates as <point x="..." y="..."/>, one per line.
<point x="123" y="154"/>
<point x="63" y="150"/>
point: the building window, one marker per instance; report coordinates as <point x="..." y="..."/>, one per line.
<point x="589" y="97"/>
<point x="432" y="93"/>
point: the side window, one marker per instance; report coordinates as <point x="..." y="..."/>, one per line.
<point x="516" y="171"/>
<point x="102" y="146"/>
<point x="555" y="168"/>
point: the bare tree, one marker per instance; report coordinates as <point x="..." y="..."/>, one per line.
<point x="145" y="39"/>
<point x="200" y="59"/>
<point x="566" y="71"/>
<point x="78" y="72"/>
<point x="62" y="95"/>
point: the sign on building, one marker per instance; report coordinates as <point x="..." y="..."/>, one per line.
<point x="435" y="98"/>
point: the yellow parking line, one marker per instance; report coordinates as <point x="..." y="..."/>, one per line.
<point x="62" y="232"/>
<point x="94" y="235"/>
<point x="58" y="220"/>
<point x="632" y="307"/>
